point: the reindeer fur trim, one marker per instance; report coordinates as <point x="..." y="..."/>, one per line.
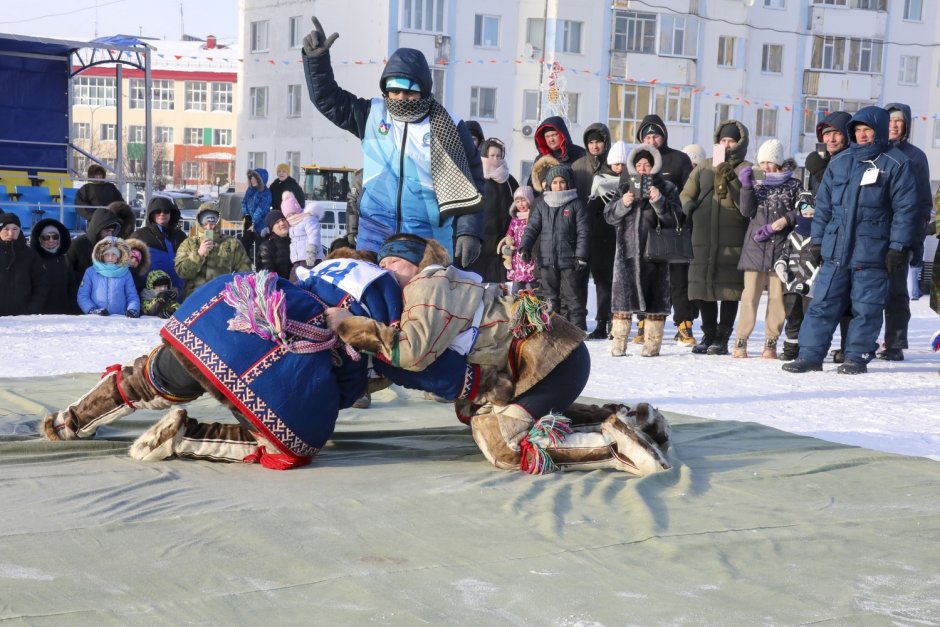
<point x="366" y="334"/>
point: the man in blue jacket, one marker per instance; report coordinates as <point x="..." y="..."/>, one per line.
<point x="866" y="218"/>
<point x="421" y="171"/>
<point x="898" y="305"/>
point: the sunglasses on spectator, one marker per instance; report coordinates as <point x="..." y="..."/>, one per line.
<point x="50" y="237"/>
<point x="161" y="211"/>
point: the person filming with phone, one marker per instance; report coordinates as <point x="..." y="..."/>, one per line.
<point x="209" y="252"/>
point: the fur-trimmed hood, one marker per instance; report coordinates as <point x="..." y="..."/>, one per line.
<point x="737" y="152"/>
<point x="261" y="174"/>
<point x="135" y="244"/>
<point x="657" y="159"/>
<point x="540" y="169"/>
<point x="97" y="253"/>
<point x="65" y="238"/>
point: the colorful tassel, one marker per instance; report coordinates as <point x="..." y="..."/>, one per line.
<point x="529" y="314"/>
<point x="533" y="459"/>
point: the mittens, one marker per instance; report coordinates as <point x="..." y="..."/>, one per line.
<point x="132" y="313"/>
<point x="764" y="233"/>
<point x="746" y="176"/>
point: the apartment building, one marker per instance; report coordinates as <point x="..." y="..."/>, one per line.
<point x="194" y="91"/>
<point x="777" y="65"/>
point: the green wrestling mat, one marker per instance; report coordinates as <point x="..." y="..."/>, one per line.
<point x="400" y="521"/>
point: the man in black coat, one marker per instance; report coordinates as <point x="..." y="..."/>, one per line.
<point x="51" y="241"/>
<point x="96" y="193"/>
<point x="676" y="167"/>
<point x="23" y="286"/>
<point x="285" y="183"/>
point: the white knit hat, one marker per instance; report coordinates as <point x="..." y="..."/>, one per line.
<point x="695" y="153"/>
<point x="771" y="151"/>
<point x="618" y="153"/>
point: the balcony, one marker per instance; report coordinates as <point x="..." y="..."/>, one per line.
<point x="842" y="85"/>
<point x="645" y="67"/>
<point x="834" y="20"/>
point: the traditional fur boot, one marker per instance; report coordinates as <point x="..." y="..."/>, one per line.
<point x="640" y="330"/>
<point x="620" y="329"/>
<point x="684" y="336"/>
<point x="653" y="336"/>
<point x="740" y="348"/>
<point x="121" y="391"/>
<point x="498" y="432"/>
<point x="644" y="417"/>
<point x="770" y="348"/>
<point x="177" y="435"/>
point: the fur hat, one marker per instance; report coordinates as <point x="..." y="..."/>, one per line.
<point x="771" y="151"/>
<point x="618" y="153"/>
<point x="289" y="204"/>
<point x="561" y="170"/>
<point x="695" y="153"/>
<point x="273" y="216"/>
<point x="730" y="130"/>
<point x="539" y="170"/>
<point x="9" y="218"/>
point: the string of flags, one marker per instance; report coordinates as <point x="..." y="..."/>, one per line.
<point x="736" y="98"/>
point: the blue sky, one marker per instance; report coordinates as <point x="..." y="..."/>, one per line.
<point x="152" y="18"/>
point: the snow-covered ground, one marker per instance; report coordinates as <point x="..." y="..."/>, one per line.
<point x="895" y="407"/>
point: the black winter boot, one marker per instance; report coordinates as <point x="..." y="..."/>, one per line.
<point x="838" y="356"/>
<point x="702" y="347"/>
<point x="791" y="350"/>
<point x="802" y="365"/>
<point x="852" y="367"/>
<point x="600" y="332"/>
<point x="720" y="345"/>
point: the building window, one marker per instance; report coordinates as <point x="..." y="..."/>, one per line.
<point x="93" y="91"/>
<point x="908" y="73"/>
<point x="634" y="32"/>
<point x="530" y="105"/>
<point x="258" y="99"/>
<point x="136" y="134"/>
<point x="193" y="136"/>
<point x="197" y="96"/>
<point x="81" y="130"/>
<point x="872" y="5"/>
<point x="192" y="170"/>
<point x="726" y="47"/>
<point x="293" y="101"/>
<point x="828" y="53"/>
<point x="162" y="94"/>
<point x="293" y="160"/>
<point x="766" y="125"/>
<point x="574" y="102"/>
<point x="222" y="137"/>
<point x="107" y="132"/>
<point x="258" y="36"/>
<point x="222" y="97"/>
<point x="257" y="160"/>
<point x="772" y="59"/>
<point x="163" y="135"/>
<point x="483" y="103"/>
<point x="535" y="33"/>
<point x="569" y="36"/>
<point x="837" y="3"/>
<point x="295" y="29"/>
<point x="913" y="10"/>
<point x="865" y="56"/>
<point x="724" y="112"/>
<point x="486" y="31"/>
<point x="427" y="15"/>
<point x="163" y="168"/>
<point x="775" y="4"/>
<point x="629" y="104"/>
<point x="815" y="109"/>
<point x="678" y="36"/>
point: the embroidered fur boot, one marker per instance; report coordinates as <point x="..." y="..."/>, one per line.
<point x="770" y="348"/>
<point x="177" y="435"/>
<point x="498" y="430"/>
<point x="653" y="335"/>
<point x="121" y="391"/>
<point x="740" y="348"/>
<point x="620" y="329"/>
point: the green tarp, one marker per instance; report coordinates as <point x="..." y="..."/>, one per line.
<point x="400" y="521"/>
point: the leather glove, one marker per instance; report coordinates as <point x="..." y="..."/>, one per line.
<point x="246" y="222"/>
<point x="895" y="259"/>
<point x="724" y="172"/>
<point x="746" y="176"/>
<point x="98" y="311"/>
<point x="466" y="250"/>
<point x="582" y="264"/>
<point x="132" y="313"/>
<point x="316" y="42"/>
<point x="526" y="255"/>
<point x="815" y="255"/>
